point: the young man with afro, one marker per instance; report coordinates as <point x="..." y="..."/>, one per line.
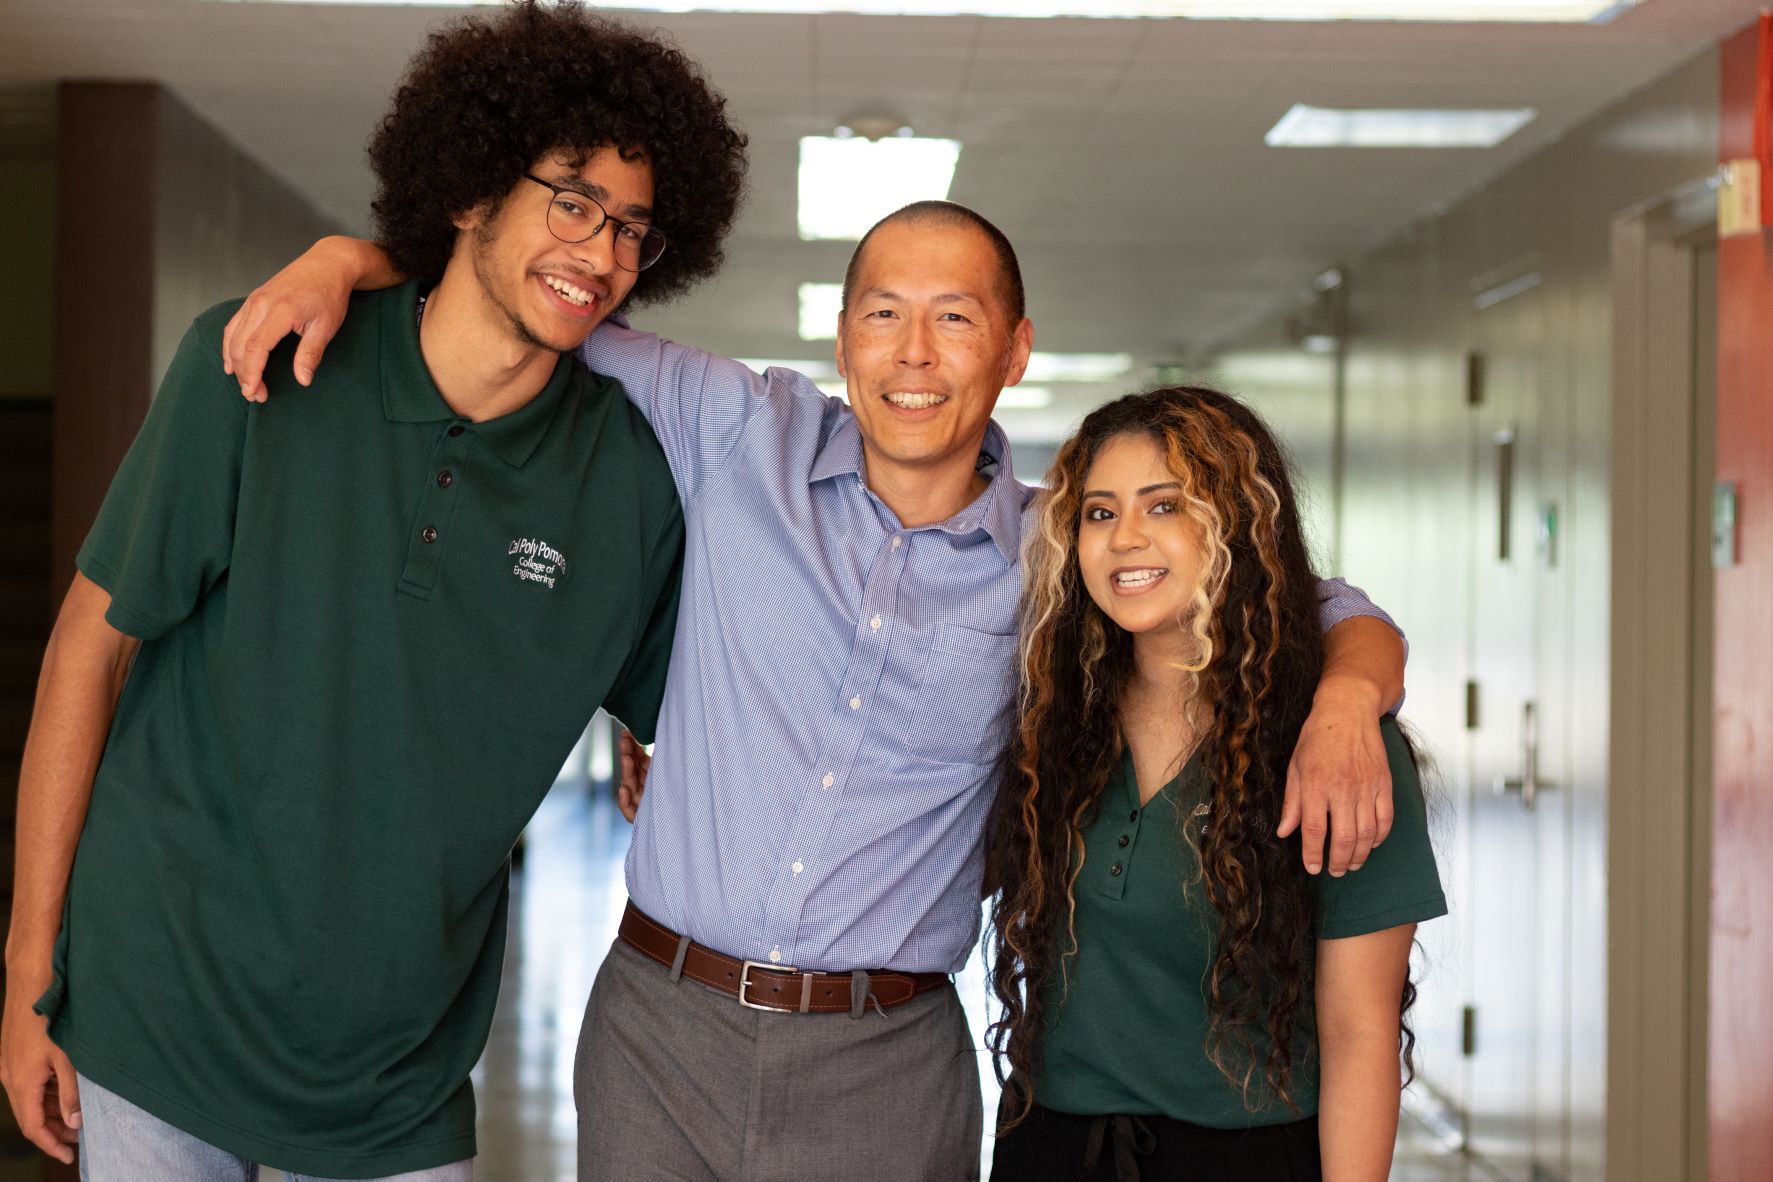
<point x="324" y="657"/>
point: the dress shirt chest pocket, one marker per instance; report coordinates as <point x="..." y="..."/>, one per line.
<point x="963" y="698"/>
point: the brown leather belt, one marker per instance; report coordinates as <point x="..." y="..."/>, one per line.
<point x="764" y="986"/>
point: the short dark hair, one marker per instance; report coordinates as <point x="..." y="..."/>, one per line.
<point x="949" y="213"/>
<point x="488" y="96"/>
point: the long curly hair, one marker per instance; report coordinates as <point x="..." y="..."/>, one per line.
<point x="1258" y="651"/>
<point x="488" y="96"/>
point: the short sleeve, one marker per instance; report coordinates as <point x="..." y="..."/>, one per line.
<point x="165" y="534"/>
<point x="640" y="687"/>
<point x="1399" y="883"/>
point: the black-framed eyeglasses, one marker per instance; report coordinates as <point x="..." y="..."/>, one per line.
<point x="576" y="217"/>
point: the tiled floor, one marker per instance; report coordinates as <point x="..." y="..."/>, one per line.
<point x="566" y="901"/>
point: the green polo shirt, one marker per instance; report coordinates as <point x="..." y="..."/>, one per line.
<point x="1130" y="1034"/>
<point x="372" y="632"/>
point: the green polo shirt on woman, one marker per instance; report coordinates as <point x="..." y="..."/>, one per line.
<point x="372" y="632"/>
<point x="1129" y="1036"/>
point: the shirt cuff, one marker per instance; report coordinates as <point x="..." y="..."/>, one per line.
<point x="1339" y="600"/>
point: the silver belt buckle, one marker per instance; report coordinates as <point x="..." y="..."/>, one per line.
<point x="745" y="967"/>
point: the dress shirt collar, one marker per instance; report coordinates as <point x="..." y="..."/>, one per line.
<point x="997" y="511"/>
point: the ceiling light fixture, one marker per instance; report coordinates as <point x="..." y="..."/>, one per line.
<point x="1077" y="367"/>
<point x="1024" y="398"/>
<point x="819" y="305"/>
<point x="822" y="369"/>
<point x="1329" y="127"/>
<point x="849" y="182"/>
<point x="1460" y="11"/>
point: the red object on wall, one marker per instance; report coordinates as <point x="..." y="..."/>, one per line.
<point x="1762" y="101"/>
<point x="1741" y="1042"/>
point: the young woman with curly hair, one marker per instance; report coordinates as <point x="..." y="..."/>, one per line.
<point x="1180" y="998"/>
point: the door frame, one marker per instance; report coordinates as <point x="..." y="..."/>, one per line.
<point x="1659" y="799"/>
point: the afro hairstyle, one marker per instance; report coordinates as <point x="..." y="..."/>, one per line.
<point x="489" y="96"/>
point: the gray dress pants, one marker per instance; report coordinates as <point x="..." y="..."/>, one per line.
<point x="677" y="1081"/>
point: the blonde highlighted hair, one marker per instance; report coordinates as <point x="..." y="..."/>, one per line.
<point x="1258" y="653"/>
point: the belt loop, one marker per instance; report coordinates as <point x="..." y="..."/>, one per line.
<point x="683" y="945"/>
<point x="806" y="993"/>
<point x="858" y="992"/>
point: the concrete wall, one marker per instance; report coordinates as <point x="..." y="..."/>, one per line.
<point x="27" y="264"/>
<point x="192" y="220"/>
<point x="223" y="223"/>
<point x="1417" y="513"/>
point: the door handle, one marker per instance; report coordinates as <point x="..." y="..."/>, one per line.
<point x="1528" y="783"/>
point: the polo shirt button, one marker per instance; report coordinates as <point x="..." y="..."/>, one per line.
<point x="456" y="430"/>
<point x="1123" y="840"/>
<point x="429" y="533"/>
<point x="1134" y="816"/>
<point x="444" y="479"/>
<point x="1115" y="870"/>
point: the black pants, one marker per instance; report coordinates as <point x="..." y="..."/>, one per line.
<point x="1059" y="1147"/>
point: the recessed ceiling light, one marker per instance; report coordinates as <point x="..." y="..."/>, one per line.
<point x="1077" y="367"/>
<point x="822" y="369"/>
<point x="1558" y="11"/>
<point x="1024" y="398"/>
<point x="1328" y="127"/>
<point x="819" y="305"/>
<point x="849" y="183"/>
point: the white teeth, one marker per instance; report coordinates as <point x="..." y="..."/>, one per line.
<point x="1140" y="578"/>
<point x="572" y="294"/>
<point x="916" y="401"/>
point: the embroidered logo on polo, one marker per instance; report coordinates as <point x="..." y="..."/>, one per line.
<point x="536" y="561"/>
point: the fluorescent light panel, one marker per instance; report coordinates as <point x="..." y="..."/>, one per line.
<point x="1329" y="127"/>
<point x="822" y="369"/>
<point x="819" y="305"/>
<point x="1462" y="11"/>
<point x="1077" y="367"/>
<point x="846" y="185"/>
<point x="1024" y="398"/>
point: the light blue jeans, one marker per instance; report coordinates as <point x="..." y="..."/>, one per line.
<point x="121" y="1143"/>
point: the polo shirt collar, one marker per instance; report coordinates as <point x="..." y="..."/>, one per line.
<point x="997" y="511"/>
<point x="410" y="396"/>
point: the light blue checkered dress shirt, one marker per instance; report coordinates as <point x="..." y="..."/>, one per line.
<point x="839" y="684"/>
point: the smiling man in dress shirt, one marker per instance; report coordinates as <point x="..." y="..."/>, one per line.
<point x="806" y="865"/>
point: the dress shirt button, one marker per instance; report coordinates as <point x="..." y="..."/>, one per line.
<point x="875" y="623"/>
<point x="797" y="867"/>
<point x="897" y="542"/>
<point x="444" y="479"/>
<point x="855" y="703"/>
<point x="429" y="533"/>
<point x="775" y="956"/>
<point x="1115" y="870"/>
<point x="1123" y="840"/>
<point x="456" y="430"/>
<point x="828" y="780"/>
